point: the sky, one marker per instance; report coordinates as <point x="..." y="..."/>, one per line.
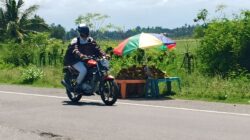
<point x="131" y="13"/>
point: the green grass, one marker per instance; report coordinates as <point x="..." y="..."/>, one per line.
<point x="52" y="77"/>
<point x="199" y="87"/>
<point x="183" y="45"/>
<point x="10" y="75"/>
<point x="195" y="86"/>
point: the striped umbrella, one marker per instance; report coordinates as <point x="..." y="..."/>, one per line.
<point x="144" y="40"/>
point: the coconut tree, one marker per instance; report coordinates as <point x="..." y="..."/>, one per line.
<point x="15" y="22"/>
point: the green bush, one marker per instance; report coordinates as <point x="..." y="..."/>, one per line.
<point x="19" y="55"/>
<point x="31" y="74"/>
<point x="36" y="49"/>
<point x="225" y="46"/>
<point x="244" y="57"/>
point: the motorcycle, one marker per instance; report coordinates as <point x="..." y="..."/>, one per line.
<point x="96" y="81"/>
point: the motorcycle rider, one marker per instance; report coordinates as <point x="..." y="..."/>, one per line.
<point x="79" y="49"/>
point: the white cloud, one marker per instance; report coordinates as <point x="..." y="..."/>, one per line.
<point x="131" y="13"/>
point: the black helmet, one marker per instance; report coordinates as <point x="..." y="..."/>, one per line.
<point x="83" y="29"/>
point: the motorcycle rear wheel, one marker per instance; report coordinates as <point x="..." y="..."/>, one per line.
<point x="74" y="97"/>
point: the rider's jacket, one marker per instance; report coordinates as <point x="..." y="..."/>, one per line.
<point x="76" y="51"/>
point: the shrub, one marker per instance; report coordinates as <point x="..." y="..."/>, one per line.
<point x="36" y="49"/>
<point x="19" y="55"/>
<point x="31" y="74"/>
<point x="225" y="46"/>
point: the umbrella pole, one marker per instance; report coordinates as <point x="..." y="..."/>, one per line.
<point x="145" y="59"/>
<point x="147" y="69"/>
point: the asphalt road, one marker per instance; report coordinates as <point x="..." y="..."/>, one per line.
<point x="40" y="113"/>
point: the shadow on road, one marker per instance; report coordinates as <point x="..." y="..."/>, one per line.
<point x="83" y="103"/>
<point x="160" y="98"/>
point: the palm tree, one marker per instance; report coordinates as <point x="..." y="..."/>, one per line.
<point x="16" y="23"/>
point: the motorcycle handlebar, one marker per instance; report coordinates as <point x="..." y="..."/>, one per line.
<point x="93" y="57"/>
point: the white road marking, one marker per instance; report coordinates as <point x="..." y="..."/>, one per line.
<point x="133" y="104"/>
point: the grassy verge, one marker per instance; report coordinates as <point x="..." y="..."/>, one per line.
<point x="195" y="86"/>
<point x="51" y="77"/>
<point x="199" y="87"/>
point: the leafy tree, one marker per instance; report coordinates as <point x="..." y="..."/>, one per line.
<point x="96" y="22"/>
<point x="202" y="16"/>
<point x="185" y="31"/>
<point x="71" y="34"/>
<point x="199" y="30"/>
<point x="57" y="31"/>
<point x="15" y="22"/>
<point x="244" y="57"/>
<point x="36" y="26"/>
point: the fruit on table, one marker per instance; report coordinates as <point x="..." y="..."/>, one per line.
<point x="140" y="72"/>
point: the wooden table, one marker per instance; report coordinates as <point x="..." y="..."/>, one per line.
<point x="124" y="83"/>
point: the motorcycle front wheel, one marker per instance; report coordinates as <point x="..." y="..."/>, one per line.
<point x="109" y="92"/>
